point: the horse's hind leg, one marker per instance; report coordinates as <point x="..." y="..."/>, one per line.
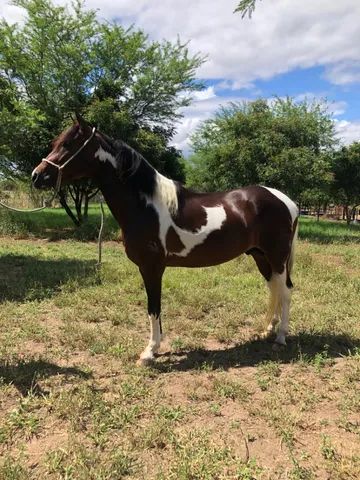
<point x="152" y="280"/>
<point x="284" y="295"/>
<point x="274" y="309"/>
<point x="273" y="313"/>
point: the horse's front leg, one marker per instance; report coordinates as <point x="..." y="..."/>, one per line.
<point x="152" y="277"/>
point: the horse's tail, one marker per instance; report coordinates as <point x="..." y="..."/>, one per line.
<point x="291" y="259"/>
<point x="293" y="244"/>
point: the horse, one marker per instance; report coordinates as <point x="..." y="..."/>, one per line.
<point x="165" y="224"/>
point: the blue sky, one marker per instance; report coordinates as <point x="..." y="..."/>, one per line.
<point x="302" y="49"/>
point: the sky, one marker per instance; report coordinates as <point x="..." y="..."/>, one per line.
<point x="305" y="49"/>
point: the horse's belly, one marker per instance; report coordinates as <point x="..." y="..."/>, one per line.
<point x="216" y="249"/>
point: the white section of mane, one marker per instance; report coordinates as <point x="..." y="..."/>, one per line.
<point x="165" y="192"/>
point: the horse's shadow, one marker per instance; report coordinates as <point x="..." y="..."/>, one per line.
<point x="27" y="277"/>
<point x="25" y="375"/>
<point x="302" y="347"/>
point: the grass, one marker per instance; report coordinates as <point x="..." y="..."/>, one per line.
<point x="53" y="224"/>
<point x="218" y="404"/>
<point x="328" y="231"/>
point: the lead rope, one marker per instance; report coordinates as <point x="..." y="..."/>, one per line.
<point x="30" y="210"/>
<point x="101" y="233"/>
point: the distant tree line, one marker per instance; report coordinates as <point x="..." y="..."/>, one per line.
<point x="281" y="143"/>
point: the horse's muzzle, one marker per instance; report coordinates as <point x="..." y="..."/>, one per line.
<point x="41" y="179"/>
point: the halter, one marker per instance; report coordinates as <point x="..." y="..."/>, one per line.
<point x="61" y="167"/>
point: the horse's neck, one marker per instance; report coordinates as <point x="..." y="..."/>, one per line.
<point x="125" y="198"/>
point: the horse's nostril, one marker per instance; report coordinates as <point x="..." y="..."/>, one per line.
<point x="35" y="177"/>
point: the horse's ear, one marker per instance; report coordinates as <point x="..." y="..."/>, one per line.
<point x="81" y="121"/>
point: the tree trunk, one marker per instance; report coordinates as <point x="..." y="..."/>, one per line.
<point x="347" y="214"/>
<point x="86" y="205"/>
<point x="81" y="194"/>
<point x="63" y="203"/>
<point x="353" y="212"/>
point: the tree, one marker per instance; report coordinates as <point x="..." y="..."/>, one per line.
<point x="281" y="143"/>
<point x="246" y="7"/>
<point x="346" y="186"/>
<point x="63" y="60"/>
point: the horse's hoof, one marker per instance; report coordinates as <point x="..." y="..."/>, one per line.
<point x="268" y="334"/>
<point x="278" y="347"/>
<point x="145" y="362"/>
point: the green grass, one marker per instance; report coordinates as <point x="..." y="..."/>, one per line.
<point x="218" y="404"/>
<point x="328" y="231"/>
<point x="54" y="224"/>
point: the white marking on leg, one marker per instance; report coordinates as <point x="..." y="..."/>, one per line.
<point x="284" y="302"/>
<point x="105" y="156"/>
<point x="293" y="209"/>
<point x="274" y="304"/>
<point x="154" y="340"/>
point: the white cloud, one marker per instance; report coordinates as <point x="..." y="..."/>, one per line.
<point x="204" y="94"/>
<point x="344" y="73"/>
<point x="280" y="36"/>
<point x="200" y="110"/>
<point x="335" y="108"/>
<point x="348" y="132"/>
<point x="11" y="13"/>
<point x="233" y="85"/>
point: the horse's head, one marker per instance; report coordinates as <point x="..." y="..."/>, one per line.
<point x="72" y="157"/>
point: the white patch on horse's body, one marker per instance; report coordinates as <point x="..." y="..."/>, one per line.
<point x="215" y="217"/>
<point x="293" y="209"/>
<point x="105" y="156"/>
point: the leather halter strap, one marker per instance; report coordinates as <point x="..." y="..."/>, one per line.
<point x="61" y="167"/>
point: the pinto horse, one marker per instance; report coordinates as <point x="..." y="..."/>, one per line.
<point x="165" y="224"/>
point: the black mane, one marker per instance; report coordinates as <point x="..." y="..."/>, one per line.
<point x="132" y="167"/>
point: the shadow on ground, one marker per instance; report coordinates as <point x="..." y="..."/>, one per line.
<point x="30" y="278"/>
<point x="304" y="346"/>
<point x="25" y="375"/>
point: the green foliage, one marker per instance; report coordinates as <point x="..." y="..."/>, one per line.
<point x="62" y="59"/>
<point x="281" y="143"/>
<point x="347" y="174"/>
<point x="246" y="7"/>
